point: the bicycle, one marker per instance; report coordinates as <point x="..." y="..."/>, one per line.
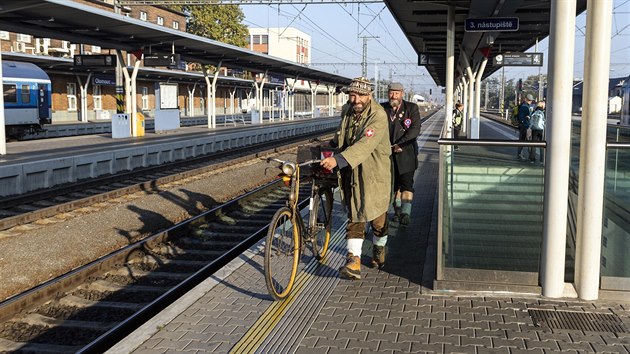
<point x="288" y="234"/>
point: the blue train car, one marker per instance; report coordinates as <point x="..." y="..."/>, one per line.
<point x="27" y="98"/>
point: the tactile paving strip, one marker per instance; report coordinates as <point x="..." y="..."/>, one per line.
<point x="580" y="321"/>
<point x="284" y="324"/>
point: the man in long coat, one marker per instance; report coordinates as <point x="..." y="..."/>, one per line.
<point x="404" y="127"/>
<point x="365" y="171"/>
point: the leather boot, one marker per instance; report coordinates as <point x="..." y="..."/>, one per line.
<point x="378" y="256"/>
<point x="352" y="269"/>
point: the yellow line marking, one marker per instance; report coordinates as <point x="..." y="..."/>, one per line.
<point x="259" y="331"/>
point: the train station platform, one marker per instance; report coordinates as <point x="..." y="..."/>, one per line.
<point x="35" y="164"/>
<point x="391" y="310"/>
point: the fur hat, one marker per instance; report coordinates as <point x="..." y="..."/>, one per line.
<point x="361" y="86"/>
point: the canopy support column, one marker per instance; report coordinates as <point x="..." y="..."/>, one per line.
<point x="593" y="149"/>
<point x="211" y="104"/>
<point x="557" y="161"/>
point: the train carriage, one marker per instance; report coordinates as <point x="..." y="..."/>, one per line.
<point x="27" y="98"/>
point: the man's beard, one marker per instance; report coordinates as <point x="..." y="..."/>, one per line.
<point x="358" y="107"/>
<point x="394" y="103"/>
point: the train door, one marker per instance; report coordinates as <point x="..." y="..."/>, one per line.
<point x="43" y="104"/>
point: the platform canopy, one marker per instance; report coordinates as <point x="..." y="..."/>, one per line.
<point x="79" y="23"/>
<point x="424" y="25"/>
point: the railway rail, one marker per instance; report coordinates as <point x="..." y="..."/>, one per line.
<point x="28" y="208"/>
<point x="91" y="308"/>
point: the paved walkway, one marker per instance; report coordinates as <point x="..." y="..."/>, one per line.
<point x="391" y="310"/>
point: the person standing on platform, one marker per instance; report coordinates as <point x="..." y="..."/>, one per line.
<point x="458" y="117"/>
<point x="524" y="113"/>
<point x="404" y="127"/>
<point x="365" y="173"/>
<point x="538" y="126"/>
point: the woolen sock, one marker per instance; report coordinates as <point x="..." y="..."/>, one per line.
<point x="355" y="246"/>
<point x="379" y="241"/>
<point x="406" y="208"/>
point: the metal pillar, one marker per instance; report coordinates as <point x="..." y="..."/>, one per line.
<point x="450" y="68"/>
<point x="593" y="148"/>
<point x="84" y="96"/>
<point x="211" y="103"/>
<point x="313" y="97"/>
<point x="3" y="133"/>
<point x="134" y="98"/>
<point x="557" y="161"/>
<point x="191" y="99"/>
<point x="482" y="67"/>
<point x="464" y="102"/>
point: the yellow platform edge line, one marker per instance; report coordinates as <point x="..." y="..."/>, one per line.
<point x="259" y="331"/>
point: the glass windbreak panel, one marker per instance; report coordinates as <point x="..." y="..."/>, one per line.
<point x="492" y="210"/>
<point x="615" y="262"/>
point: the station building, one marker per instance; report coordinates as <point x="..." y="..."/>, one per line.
<point x="235" y="87"/>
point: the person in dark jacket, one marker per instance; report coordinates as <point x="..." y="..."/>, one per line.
<point x="364" y="168"/>
<point x="404" y="127"/>
<point x="524" y="113"/>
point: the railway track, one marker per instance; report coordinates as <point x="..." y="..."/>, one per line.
<point x="93" y="307"/>
<point x="28" y="208"/>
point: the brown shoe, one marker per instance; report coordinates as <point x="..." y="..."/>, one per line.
<point x="352" y="269"/>
<point x="378" y="256"/>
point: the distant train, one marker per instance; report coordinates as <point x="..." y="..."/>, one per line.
<point x="27" y="98"/>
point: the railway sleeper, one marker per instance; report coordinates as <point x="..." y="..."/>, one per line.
<point x="170" y="251"/>
<point x="75" y="301"/>
<point x="107" y="286"/>
<point x="217" y="227"/>
<point x="35" y="348"/>
<point x="35" y="319"/>
<point x="218" y="242"/>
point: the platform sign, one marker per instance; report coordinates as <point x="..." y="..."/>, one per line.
<point x="95" y="60"/>
<point x="161" y="59"/>
<point x="431" y="58"/>
<point x="518" y="59"/>
<point x="492" y="24"/>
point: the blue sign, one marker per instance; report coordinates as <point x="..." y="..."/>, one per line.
<point x="493" y="24"/>
<point x="104" y="80"/>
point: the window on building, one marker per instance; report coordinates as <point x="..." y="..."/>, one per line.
<point x="248" y="39"/>
<point x="4" y="35"/>
<point x="98" y="98"/>
<point x="72" y="96"/>
<point x="96" y="49"/>
<point x="264" y="39"/>
<point x="256" y="39"/>
<point x="26" y="94"/>
<point x="10" y="93"/>
<point x="23" y="38"/>
<point x="145" y="98"/>
<point x="175" y="25"/>
<point x="143" y="15"/>
<point x="160" y="20"/>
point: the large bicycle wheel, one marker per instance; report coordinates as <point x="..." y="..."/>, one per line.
<point x="281" y="254"/>
<point x="320" y="221"/>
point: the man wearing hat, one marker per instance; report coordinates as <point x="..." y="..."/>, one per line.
<point x="524" y="112"/>
<point x="364" y="168"/>
<point x="404" y="127"/>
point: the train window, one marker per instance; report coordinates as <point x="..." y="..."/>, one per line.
<point x="26" y="94"/>
<point x="10" y="93"/>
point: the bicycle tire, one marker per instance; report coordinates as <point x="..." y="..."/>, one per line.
<point x="321" y="215"/>
<point x="281" y="254"/>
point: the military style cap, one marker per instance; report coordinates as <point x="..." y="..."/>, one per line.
<point x="361" y="86"/>
<point x="395" y="86"/>
<point x="529" y="97"/>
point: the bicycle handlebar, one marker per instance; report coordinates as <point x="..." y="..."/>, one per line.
<point x="309" y="162"/>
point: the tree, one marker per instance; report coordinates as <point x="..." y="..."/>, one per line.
<point x="222" y="23"/>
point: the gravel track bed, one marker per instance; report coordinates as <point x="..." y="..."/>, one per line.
<point x="36" y="252"/>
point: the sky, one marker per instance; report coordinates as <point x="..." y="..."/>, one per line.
<point x="336" y="46"/>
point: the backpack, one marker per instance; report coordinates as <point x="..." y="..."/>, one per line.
<point x="514" y="116"/>
<point x="538" y="120"/>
